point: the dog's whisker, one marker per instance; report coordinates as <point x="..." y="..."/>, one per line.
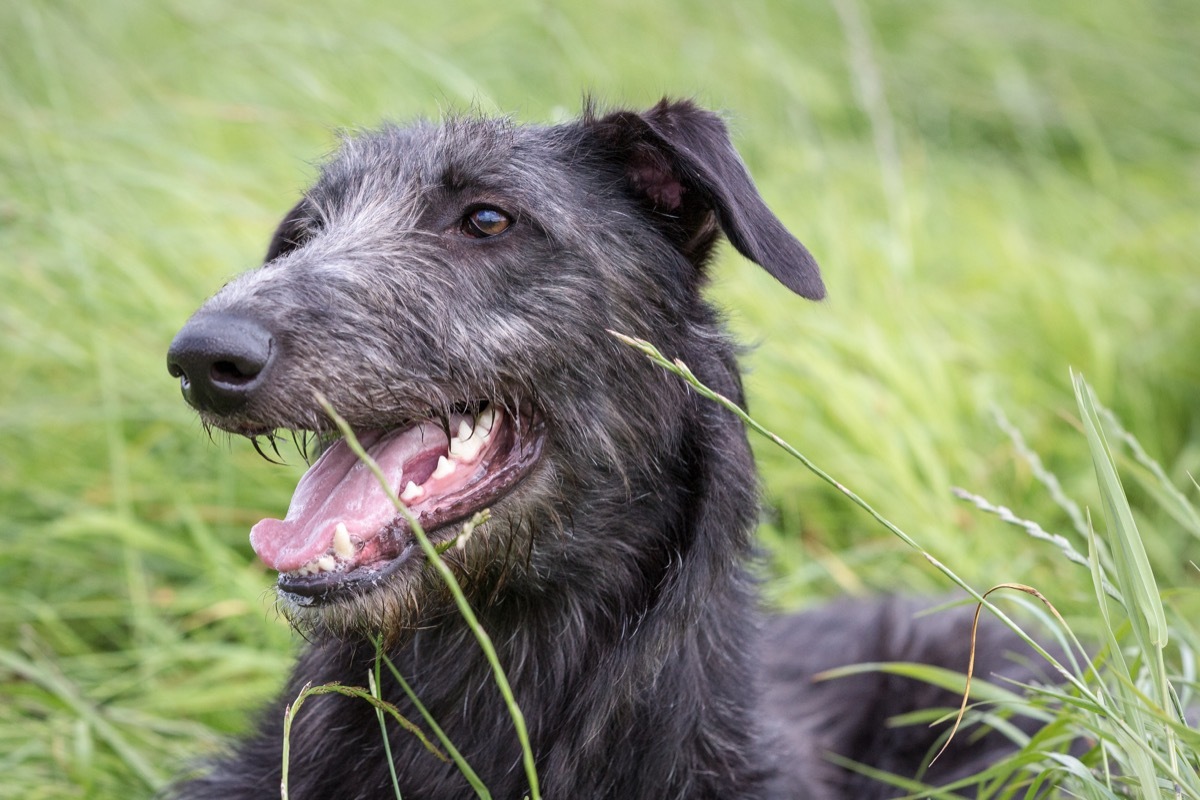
<point x="273" y="438"/>
<point x="278" y="460"/>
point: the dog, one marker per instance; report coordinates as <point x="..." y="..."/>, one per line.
<point x="450" y="291"/>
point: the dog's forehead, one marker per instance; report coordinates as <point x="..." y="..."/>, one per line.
<point x="459" y="154"/>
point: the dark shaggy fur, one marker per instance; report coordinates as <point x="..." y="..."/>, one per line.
<point x="613" y="577"/>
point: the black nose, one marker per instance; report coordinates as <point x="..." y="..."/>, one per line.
<point x="220" y="360"/>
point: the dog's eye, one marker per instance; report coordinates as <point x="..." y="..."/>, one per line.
<point x="484" y="222"/>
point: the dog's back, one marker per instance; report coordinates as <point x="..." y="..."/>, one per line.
<point x="451" y="291"/>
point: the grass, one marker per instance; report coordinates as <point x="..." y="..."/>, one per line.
<point x="996" y="192"/>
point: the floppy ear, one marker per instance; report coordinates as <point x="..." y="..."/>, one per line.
<point x="679" y="159"/>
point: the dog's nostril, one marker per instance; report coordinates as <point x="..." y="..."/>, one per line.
<point x="229" y="373"/>
<point x="221" y="361"/>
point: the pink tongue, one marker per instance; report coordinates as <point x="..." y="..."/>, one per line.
<point x="340" y="488"/>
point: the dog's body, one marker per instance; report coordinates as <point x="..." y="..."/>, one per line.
<point x="440" y="281"/>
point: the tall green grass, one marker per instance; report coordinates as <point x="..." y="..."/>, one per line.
<point x="995" y="191"/>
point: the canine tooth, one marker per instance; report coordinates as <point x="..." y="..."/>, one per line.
<point x="411" y="493"/>
<point x="342" y="546"/>
<point x="485" y="421"/>
<point x="464" y="431"/>
<point x="444" y="467"/>
<point x="478" y="434"/>
<point x="326" y="564"/>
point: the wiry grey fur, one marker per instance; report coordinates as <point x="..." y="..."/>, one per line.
<point x="613" y="579"/>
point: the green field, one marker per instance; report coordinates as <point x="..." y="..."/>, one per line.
<point x="997" y="192"/>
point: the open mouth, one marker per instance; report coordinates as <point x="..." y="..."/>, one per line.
<point x="342" y="531"/>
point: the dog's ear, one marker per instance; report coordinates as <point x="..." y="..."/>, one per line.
<point x="680" y="160"/>
<point x="293" y="231"/>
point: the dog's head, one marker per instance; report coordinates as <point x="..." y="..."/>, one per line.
<point x="449" y="289"/>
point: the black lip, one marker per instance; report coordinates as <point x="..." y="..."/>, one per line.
<point x="440" y="525"/>
<point x="314" y="589"/>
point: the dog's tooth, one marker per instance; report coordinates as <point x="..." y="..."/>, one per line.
<point x="342" y="546"/>
<point x="485" y="421"/>
<point x="464" y="431"/>
<point x="412" y="493"/>
<point x="444" y="467"/>
<point x="465" y="450"/>
<point x="326" y="564"/>
<point x="478" y="434"/>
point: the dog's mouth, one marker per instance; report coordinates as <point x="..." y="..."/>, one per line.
<point x="343" y="532"/>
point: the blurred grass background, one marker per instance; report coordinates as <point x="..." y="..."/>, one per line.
<point x="996" y="192"/>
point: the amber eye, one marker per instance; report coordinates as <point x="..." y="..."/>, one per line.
<point x="484" y="222"/>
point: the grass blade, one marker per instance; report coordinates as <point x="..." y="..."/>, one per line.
<point x="1135" y="580"/>
<point x="480" y="790"/>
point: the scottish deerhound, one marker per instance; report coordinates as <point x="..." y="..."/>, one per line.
<point x="450" y="289"/>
